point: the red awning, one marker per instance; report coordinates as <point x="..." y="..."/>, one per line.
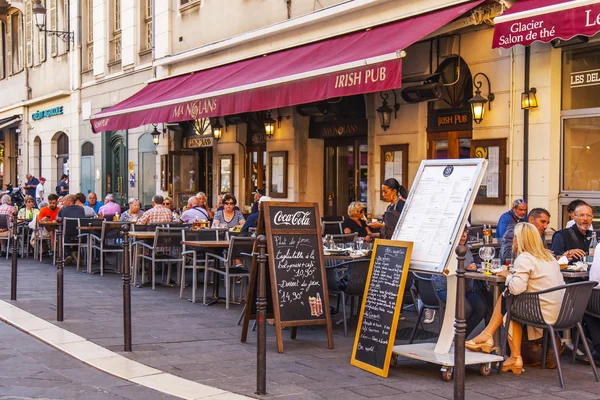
<point x="360" y="62"/>
<point x="529" y="21"/>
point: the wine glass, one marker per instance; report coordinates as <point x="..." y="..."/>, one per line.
<point x="496" y="266"/>
<point x="487" y="253"/>
<point x="358" y="242"/>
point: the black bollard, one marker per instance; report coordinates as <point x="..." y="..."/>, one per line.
<point x="460" y="326"/>
<point x="126" y="290"/>
<point x="60" y="268"/>
<point x="261" y="315"/>
<point x="13" y="271"/>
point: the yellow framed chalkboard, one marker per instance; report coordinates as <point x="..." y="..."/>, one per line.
<point x="382" y="302"/>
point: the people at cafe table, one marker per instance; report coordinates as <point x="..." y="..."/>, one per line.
<point x="228" y="215"/>
<point x="516" y="214"/>
<point x="571" y="211"/>
<point x="93" y="202"/>
<point x="355" y="221"/>
<point x="539" y="217"/>
<point x="194" y="211"/>
<point x="30" y="211"/>
<point x="475" y="303"/>
<point x="395" y="194"/>
<point x="170" y="204"/>
<point x="536" y="269"/>
<point x="80" y="201"/>
<point x="6" y="209"/>
<point x="158" y="214"/>
<point x="134" y="213"/>
<point x="203" y="203"/>
<point x="109" y="207"/>
<point x="48" y="214"/>
<point x="574" y="242"/>
<point x="71" y="210"/>
<point x="252" y="220"/>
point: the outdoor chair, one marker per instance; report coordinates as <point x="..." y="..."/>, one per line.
<point x="592" y="310"/>
<point x="430" y="299"/>
<point x="348" y="279"/>
<point x="134" y="248"/>
<point x="5" y="225"/>
<point x="331" y="228"/>
<point x="191" y="259"/>
<point x="239" y="248"/>
<point x="109" y="241"/>
<point x="525" y="308"/>
<point x="165" y="249"/>
<point x="84" y="237"/>
<point x="71" y="236"/>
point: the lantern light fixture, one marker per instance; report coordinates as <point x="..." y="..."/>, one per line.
<point x="385" y="111"/>
<point x="269" y="125"/>
<point x="39" y="13"/>
<point x="478" y="102"/>
<point x="155" y="135"/>
<point x="528" y="99"/>
<point x="217" y="129"/>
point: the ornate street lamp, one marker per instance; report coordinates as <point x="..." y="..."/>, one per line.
<point x="528" y="99"/>
<point x="155" y="135"/>
<point x="217" y="129"/>
<point x="478" y="102"/>
<point x="385" y="111"/>
<point x="269" y="125"/>
<point x="39" y="12"/>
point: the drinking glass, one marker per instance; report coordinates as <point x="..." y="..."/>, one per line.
<point x="496" y="266"/>
<point x="224" y="225"/>
<point x="358" y="243"/>
<point x="487" y="253"/>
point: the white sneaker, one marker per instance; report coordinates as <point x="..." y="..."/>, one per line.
<point x="429" y="316"/>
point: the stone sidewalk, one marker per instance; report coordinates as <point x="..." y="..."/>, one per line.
<point x="203" y="344"/>
<point x="32" y="370"/>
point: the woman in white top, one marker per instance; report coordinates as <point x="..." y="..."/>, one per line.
<point x="536" y="269"/>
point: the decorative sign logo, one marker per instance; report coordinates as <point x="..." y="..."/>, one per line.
<point x="301" y="218"/>
<point x="585" y="78"/>
<point x="51" y="112"/>
<point x="194" y="143"/>
<point x="448" y="170"/>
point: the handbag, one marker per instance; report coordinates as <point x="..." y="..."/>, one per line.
<point x="532" y="352"/>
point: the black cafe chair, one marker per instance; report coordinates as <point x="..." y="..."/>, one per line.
<point x="429" y="298"/>
<point x="525" y="308"/>
<point x="592" y="310"/>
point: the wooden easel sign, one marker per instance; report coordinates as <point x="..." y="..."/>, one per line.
<point x="382" y="302"/>
<point x="298" y="284"/>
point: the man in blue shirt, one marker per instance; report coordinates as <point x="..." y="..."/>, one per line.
<point x="516" y="214"/>
<point x="93" y="202"/>
<point x="252" y="220"/>
<point x="31" y="184"/>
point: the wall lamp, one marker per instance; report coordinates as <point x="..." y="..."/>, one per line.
<point x="528" y="99"/>
<point x="217" y="129"/>
<point x="478" y="101"/>
<point x="269" y="125"/>
<point x="39" y="11"/>
<point x="385" y="111"/>
<point x="155" y="135"/>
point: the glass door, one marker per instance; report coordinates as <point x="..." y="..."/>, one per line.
<point x="256" y="170"/>
<point x="345" y="175"/>
<point x="444" y="145"/>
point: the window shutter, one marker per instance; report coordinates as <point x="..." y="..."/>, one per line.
<point x="2" y="43"/>
<point x="21" y="41"/>
<point x="9" y="44"/>
<point x="53" y="26"/>
<point x="29" y="32"/>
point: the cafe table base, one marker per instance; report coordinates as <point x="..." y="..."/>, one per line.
<point x="426" y="352"/>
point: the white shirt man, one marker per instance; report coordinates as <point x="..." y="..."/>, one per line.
<point x="39" y="191"/>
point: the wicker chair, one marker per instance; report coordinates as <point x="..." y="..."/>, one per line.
<point x="525" y="308"/>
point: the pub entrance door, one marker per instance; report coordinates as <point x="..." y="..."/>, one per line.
<point x="346" y="162"/>
<point x="114" y="159"/>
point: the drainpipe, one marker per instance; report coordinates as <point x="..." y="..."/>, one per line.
<point x="526" y="128"/>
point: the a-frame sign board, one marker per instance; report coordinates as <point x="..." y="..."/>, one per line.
<point x="297" y="279"/>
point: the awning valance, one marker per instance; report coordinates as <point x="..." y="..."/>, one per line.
<point x="529" y="21"/>
<point x="361" y="62"/>
<point x="8" y="122"/>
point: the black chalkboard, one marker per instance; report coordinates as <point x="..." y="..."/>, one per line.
<point x="381" y="306"/>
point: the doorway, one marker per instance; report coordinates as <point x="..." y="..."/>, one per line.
<point x="115" y="165"/>
<point x="452" y="145"/>
<point x="257" y="170"/>
<point x="87" y="168"/>
<point x="346" y="163"/>
<point x="62" y="155"/>
<point x="147" y="170"/>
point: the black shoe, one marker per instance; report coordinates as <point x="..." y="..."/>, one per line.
<point x="595" y="357"/>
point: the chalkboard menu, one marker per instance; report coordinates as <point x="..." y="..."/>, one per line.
<point x="381" y="306"/>
<point x="297" y="278"/>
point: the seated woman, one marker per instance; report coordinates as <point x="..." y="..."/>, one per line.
<point x="28" y="212"/>
<point x="535" y="269"/>
<point x="170" y="204"/>
<point x="475" y="306"/>
<point x="228" y="215"/>
<point x="354" y="221"/>
<point x="134" y="213"/>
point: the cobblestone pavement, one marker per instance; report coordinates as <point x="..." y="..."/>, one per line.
<point x="30" y="369"/>
<point x="203" y="344"/>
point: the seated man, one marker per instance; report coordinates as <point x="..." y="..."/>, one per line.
<point x="252" y="220"/>
<point x="80" y="201"/>
<point x="109" y="207"/>
<point x="539" y="217"/>
<point x="6" y="209"/>
<point x="70" y="210"/>
<point x="574" y="242"/>
<point x="48" y="214"/>
<point x="158" y="214"/>
<point x="516" y="214"/>
<point x="194" y="211"/>
<point x="475" y="305"/>
<point x="93" y="202"/>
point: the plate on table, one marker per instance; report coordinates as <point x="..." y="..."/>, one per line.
<point x="335" y="252"/>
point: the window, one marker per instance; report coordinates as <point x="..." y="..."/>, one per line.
<point x="581" y="150"/>
<point x="2" y="50"/>
<point x="14" y="42"/>
<point x="90" y="34"/>
<point x="449" y="145"/>
<point x="147" y="35"/>
<point x="186" y="2"/>
<point x="29" y="32"/>
<point x="115" y="41"/>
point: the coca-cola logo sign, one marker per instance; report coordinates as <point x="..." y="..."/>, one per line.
<point x="294" y="218"/>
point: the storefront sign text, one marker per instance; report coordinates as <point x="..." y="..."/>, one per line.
<point x="257" y="138"/>
<point x="585" y="78"/>
<point x="447" y="120"/>
<point x="355" y="78"/>
<point x="342" y="128"/>
<point x="195" y="143"/>
<point x="51" y="112"/>
<point x="195" y="109"/>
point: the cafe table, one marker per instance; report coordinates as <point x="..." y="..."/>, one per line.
<point x="209" y="245"/>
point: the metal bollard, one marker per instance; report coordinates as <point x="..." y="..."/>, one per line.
<point x="13" y="271"/>
<point x="60" y="268"/>
<point x="261" y="315"/>
<point x="126" y="290"/>
<point x="460" y="326"/>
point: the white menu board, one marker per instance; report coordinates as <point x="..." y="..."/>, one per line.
<point x="437" y="208"/>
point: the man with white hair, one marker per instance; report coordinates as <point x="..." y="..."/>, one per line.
<point x="109" y="207"/>
<point x="6" y="211"/>
<point x="194" y="212"/>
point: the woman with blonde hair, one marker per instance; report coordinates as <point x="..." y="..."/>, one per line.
<point x="535" y="269"/>
<point x="355" y="222"/>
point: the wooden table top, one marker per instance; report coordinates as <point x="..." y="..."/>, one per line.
<point x="94" y="228"/>
<point x="482" y="277"/>
<point x="209" y="244"/>
<point x="142" y="234"/>
<point x="47" y="223"/>
<point x="478" y="245"/>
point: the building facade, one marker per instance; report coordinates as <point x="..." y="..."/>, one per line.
<point x="331" y="151"/>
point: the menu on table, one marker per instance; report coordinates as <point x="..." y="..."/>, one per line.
<point x="381" y="306"/>
<point x="437" y="208"/>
